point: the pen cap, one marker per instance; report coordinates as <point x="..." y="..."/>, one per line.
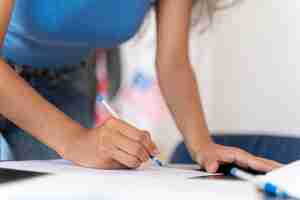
<point x="226" y="169"/>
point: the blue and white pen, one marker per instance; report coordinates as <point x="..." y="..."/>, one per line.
<point x="100" y="99"/>
<point x="266" y="186"/>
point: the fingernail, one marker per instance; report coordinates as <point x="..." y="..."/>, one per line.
<point x="213" y="168"/>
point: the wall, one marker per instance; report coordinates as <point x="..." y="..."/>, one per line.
<point x="256" y="74"/>
<point x="247" y="65"/>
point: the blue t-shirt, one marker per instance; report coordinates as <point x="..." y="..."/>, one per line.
<point x="63" y="32"/>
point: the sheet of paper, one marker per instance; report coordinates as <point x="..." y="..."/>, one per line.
<point x="82" y="187"/>
<point x="63" y="167"/>
<point x="148" y="182"/>
<point x="124" y="186"/>
<point x="287" y="177"/>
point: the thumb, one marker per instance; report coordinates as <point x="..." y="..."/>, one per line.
<point x="211" y="165"/>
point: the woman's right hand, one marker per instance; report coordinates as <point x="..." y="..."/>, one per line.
<point x="114" y="145"/>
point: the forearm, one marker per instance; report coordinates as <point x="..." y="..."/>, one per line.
<point x="29" y="111"/>
<point x="179" y="87"/>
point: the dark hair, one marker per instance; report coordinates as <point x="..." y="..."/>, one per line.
<point x="204" y="10"/>
<point x="202" y="15"/>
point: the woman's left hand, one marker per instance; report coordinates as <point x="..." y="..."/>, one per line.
<point x="212" y="155"/>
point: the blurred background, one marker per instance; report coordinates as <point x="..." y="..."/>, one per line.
<point x="247" y="65"/>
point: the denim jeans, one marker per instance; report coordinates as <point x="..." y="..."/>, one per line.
<point x="278" y="148"/>
<point x="71" y="93"/>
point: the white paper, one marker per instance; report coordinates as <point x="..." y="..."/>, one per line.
<point x="63" y="167"/>
<point x="82" y="186"/>
<point x="148" y="183"/>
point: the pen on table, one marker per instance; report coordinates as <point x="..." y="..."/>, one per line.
<point x="266" y="186"/>
<point x="100" y="99"/>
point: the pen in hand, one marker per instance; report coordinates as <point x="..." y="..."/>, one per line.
<point x="100" y="99"/>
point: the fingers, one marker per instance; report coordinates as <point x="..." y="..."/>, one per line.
<point x="141" y="137"/>
<point x="262" y="164"/>
<point x="126" y="159"/>
<point x="274" y="164"/>
<point x="126" y="144"/>
<point x="130" y="146"/>
<point x="110" y="164"/>
<point x="149" y="144"/>
<point x="218" y="155"/>
<point x="211" y="165"/>
<point x="244" y="159"/>
<point x="230" y="156"/>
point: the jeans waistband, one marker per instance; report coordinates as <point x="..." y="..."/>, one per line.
<point x="27" y="71"/>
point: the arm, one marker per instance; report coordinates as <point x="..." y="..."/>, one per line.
<point x="178" y="85"/>
<point x="175" y="72"/>
<point x="114" y="145"/>
<point x="13" y="88"/>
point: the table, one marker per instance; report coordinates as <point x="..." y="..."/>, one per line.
<point x="68" y="185"/>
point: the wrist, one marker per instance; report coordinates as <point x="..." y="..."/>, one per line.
<point x="69" y="139"/>
<point x="199" y="142"/>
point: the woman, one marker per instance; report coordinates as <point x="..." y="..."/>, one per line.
<point x="43" y="83"/>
